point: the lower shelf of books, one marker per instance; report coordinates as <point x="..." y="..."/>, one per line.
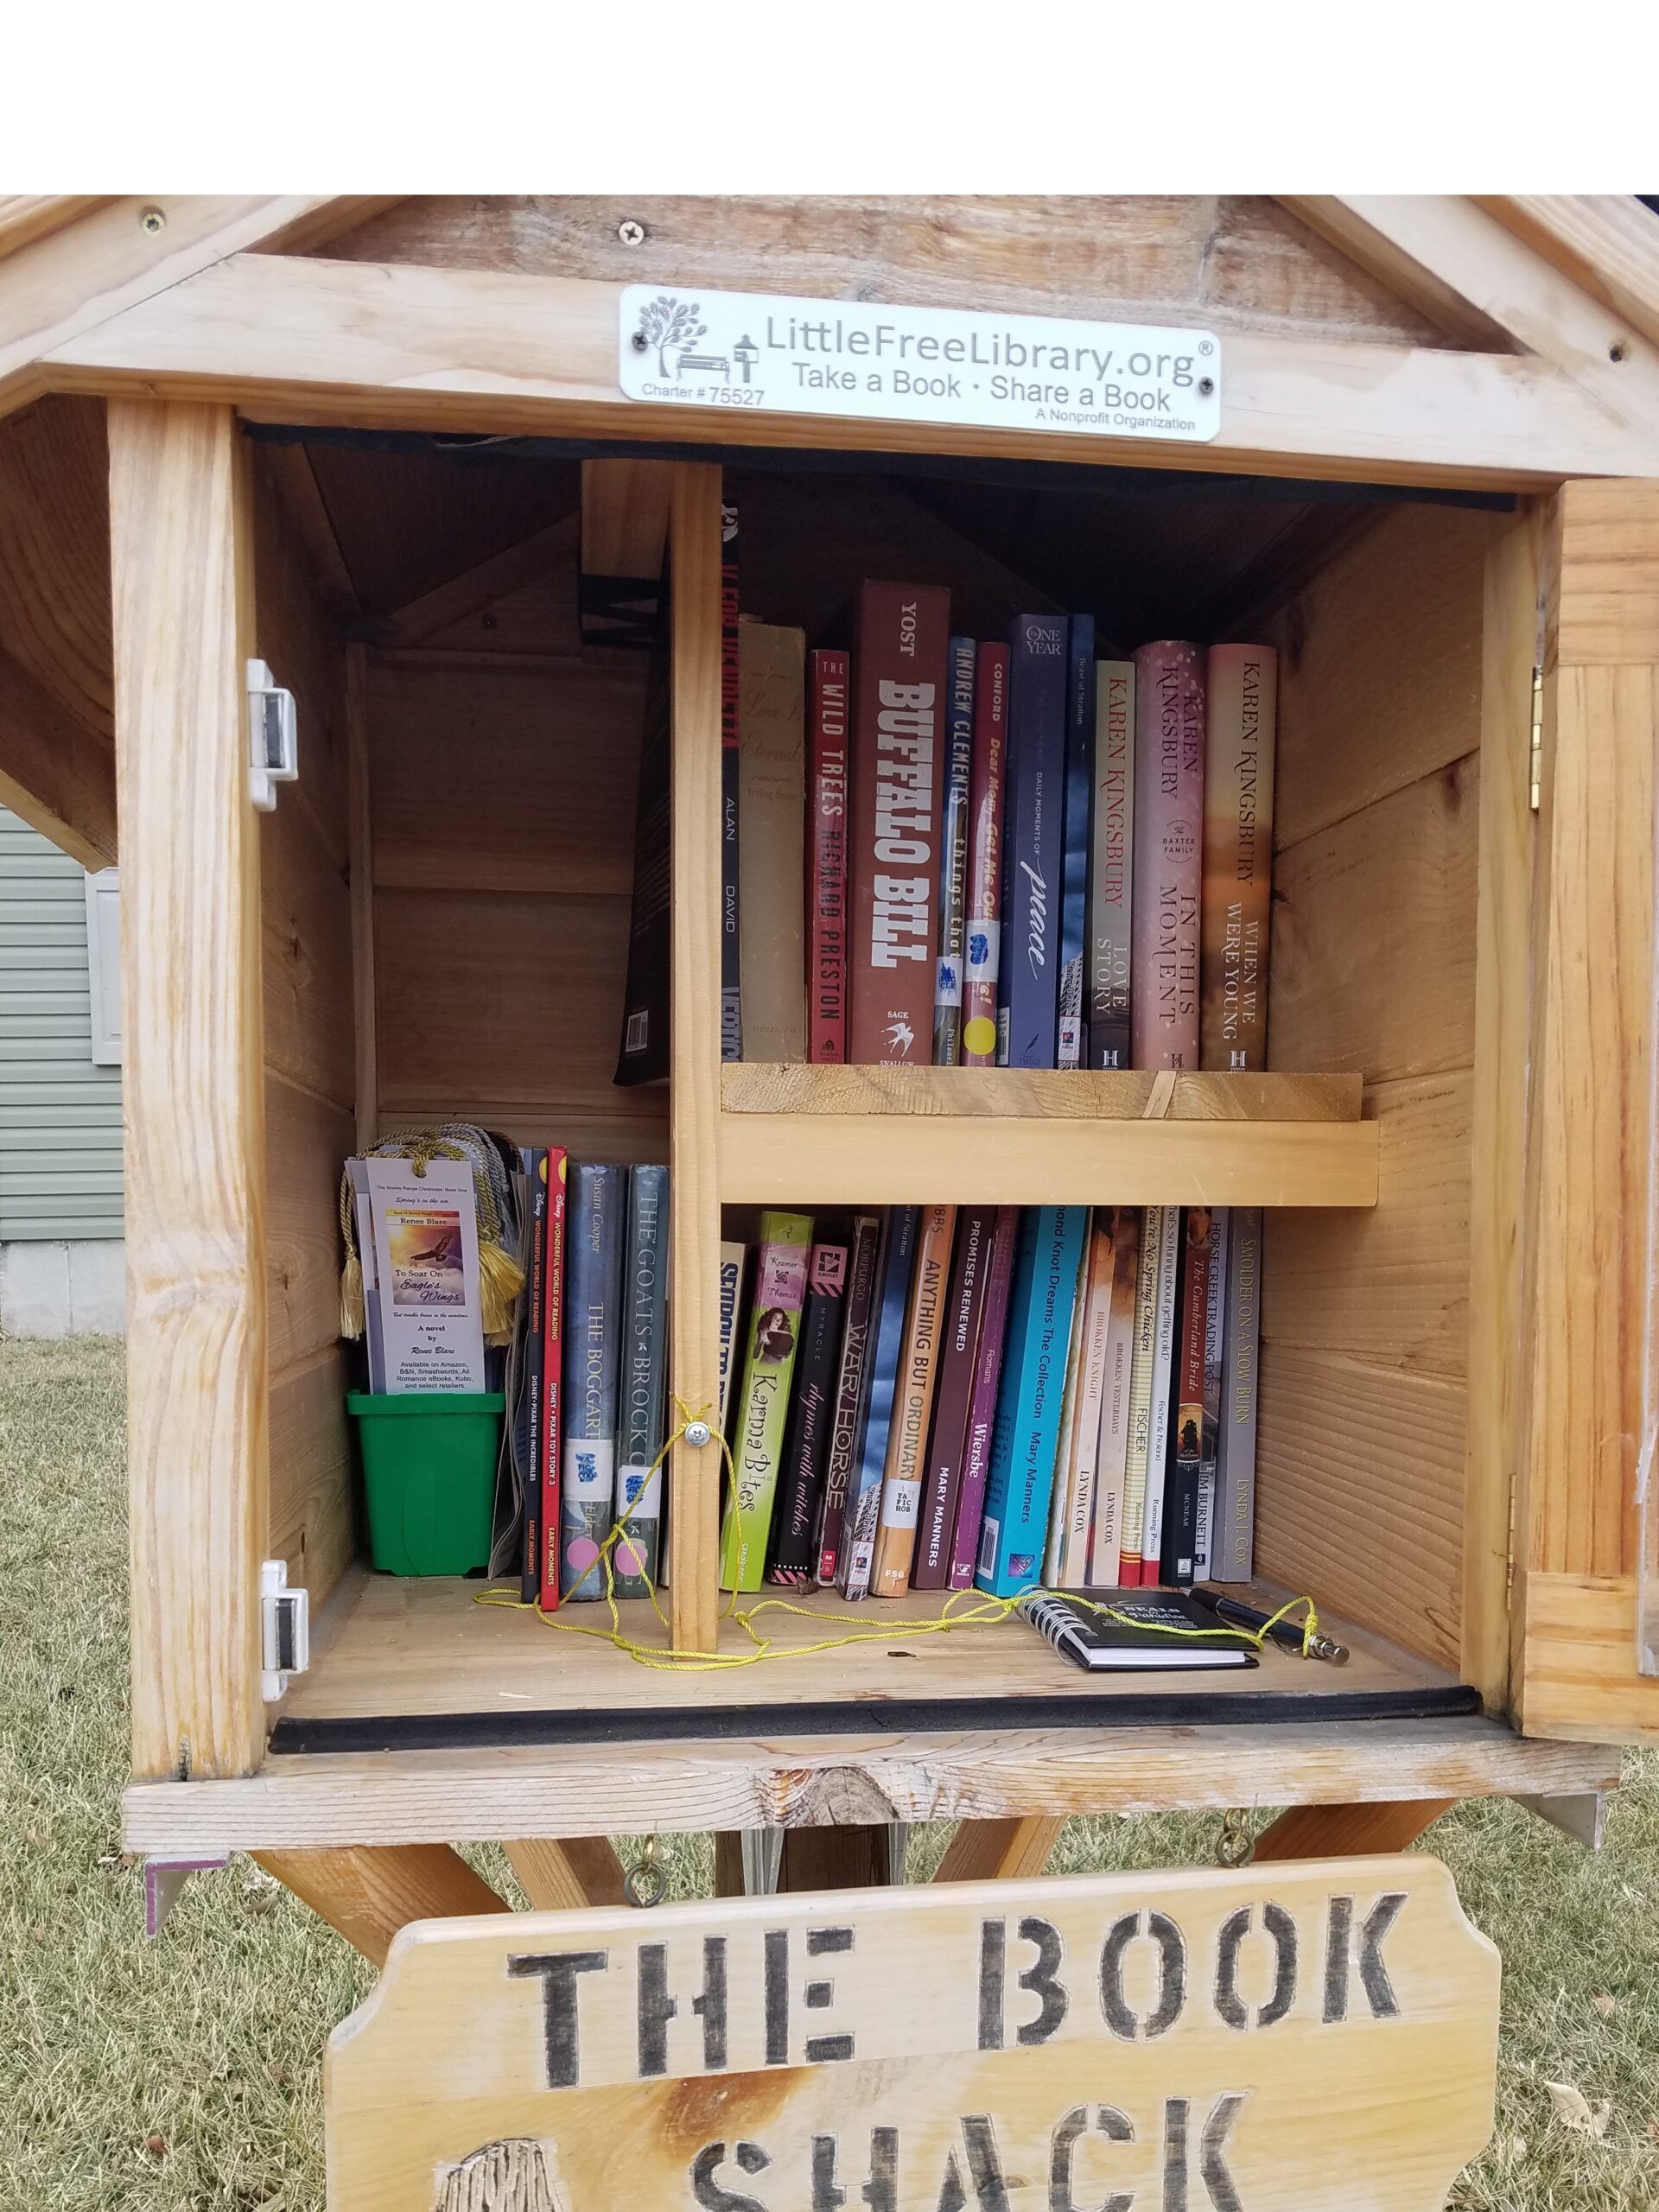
<point x="422" y="1664"/>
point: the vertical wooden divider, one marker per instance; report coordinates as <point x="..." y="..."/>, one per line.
<point x="694" y="1062"/>
<point x="198" y="1443"/>
<point x="359" y="834"/>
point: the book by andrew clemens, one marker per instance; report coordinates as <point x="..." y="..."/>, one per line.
<point x="982" y="945"/>
<point x="591" y="1352"/>
<point x="1033" y="845"/>
<point x="1168" y="856"/>
<point x="899" y="684"/>
<point x="1112" y="844"/>
<point x="953" y="854"/>
<point x="852" y="1377"/>
<point x="1027" y="1431"/>
<point x="644" y="1384"/>
<point x="1241" y="685"/>
<point x="763" y="1401"/>
<point x="829" y="708"/>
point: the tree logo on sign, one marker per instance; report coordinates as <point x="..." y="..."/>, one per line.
<point x="667" y="323"/>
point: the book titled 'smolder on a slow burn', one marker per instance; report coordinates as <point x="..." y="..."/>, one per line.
<point x="899" y="678"/>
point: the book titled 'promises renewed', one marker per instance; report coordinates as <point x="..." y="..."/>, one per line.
<point x="1168" y="857"/>
<point x="899" y="734"/>
<point x="1027" y="1434"/>
<point x="763" y="1400"/>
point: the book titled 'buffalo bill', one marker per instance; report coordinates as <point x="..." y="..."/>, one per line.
<point x="1168" y="857"/>
<point x="828" y="712"/>
<point x="1240" y="685"/>
<point x="981" y="946"/>
<point x="731" y="965"/>
<point x="1109" y="877"/>
<point x="1034" y="848"/>
<point x="898" y="735"/>
<point x="811" y="1416"/>
<point x="850" y="1379"/>
<point x="953" y="1399"/>
<point x="953" y="855"/>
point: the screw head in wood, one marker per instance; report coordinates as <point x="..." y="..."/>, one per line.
<point x="151" y="221"/>
<point x="697" y="1433"/>
<point x="630" y="234"/>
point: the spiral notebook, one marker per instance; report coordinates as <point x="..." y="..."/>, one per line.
<point x="1140" y="1642"/>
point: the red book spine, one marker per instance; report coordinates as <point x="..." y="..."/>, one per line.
<point x="1168" y="857"/>
<point x="897" y="723"/>
<point x="981" y="943"/>
<point x="553" y="1376"/>
<point x="826" y="940"/>
<point x="958" y="1354"/>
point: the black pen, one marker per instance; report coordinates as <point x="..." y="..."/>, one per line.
<point x="1287" y="1633"/>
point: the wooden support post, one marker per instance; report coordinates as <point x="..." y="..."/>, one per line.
<point x="368" y="1891"/>
<point x="851" y="1857"/>
<point x="1349" y="1831"/>
<point x="197" y="1438"/>
<point x="359" y="833"/>
<point x="624" y="509"/>
<point x="998" y="1851"/>
<point x="694" y="1150"/>
<point x="565" y="1874"/>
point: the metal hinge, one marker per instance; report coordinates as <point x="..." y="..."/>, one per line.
<point x="285" y="1630"/>
<point x="1537" y="773"/>
<point x="273" y="737"/>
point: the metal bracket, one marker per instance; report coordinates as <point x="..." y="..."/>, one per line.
<point x="1535" y="770"/>
<point x="285" y="1630"/>
<point x="273" y="737"/>
<point x="763" y="1855"/>
<point x="1583" y="1816"/>
<point x="165" y="1877"/>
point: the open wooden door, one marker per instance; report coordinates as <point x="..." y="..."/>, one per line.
<point x="1586" y="1602"/>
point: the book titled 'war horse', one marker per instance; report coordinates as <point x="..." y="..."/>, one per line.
<point x="900" y="672"/>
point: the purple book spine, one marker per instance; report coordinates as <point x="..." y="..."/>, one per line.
<point x="982" y="1415"/>
<point x="930" y="1569"/>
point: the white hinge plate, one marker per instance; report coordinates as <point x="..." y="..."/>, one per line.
<point x="273" y="737"/>
<point x="1536" y="778"/>
<point x="285" y="1630"/>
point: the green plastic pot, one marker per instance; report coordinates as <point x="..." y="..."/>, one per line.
<point x="428" y="1471"/>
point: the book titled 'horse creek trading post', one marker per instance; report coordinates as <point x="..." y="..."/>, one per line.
<point x="774" y="1334"/>
<point x="899" y="671"/>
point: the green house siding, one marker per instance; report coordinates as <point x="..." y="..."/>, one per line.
<point x="59" y="1111"/>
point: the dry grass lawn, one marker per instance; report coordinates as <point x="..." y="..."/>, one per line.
<point x="184" y="2075"/>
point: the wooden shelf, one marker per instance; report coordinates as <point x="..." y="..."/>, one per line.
<point x="889" y="1136"/>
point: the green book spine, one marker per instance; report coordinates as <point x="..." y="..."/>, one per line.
<point x="763" y="1401"/>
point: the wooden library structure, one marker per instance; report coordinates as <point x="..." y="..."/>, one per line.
<point x="384" y="447"/>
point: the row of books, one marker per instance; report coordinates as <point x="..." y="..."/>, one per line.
<point x="973" y="852"/>
<point x="940" y="1397"/>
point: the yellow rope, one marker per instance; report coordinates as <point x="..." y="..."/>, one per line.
<point x="978" y="1609"/>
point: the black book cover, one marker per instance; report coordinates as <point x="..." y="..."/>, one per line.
<point x="644" y="1056"/>
<point x="811" y="1419"/>
<point x="535" y="1292"/>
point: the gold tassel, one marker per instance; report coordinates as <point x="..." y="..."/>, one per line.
<point x="351" y="1318"/>
<point x="500" y="1279"/>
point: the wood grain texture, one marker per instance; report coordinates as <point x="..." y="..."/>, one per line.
<point x="566" y="1875"/>
<point x="829" y="1159"/>
<point x="367" y="1892"/>
<point x="696" y="1164"/>
<point x="1228" y="261"/>
<point x="625" y="516"/>
<point x="754" y="1087"/>
<point x="26" y="216"/>
<point x="1380" y="669"/>
<point x="1604" y="242"/>
<point x="1390" y="1286"/>
<point x="360" y="840"/>
<point x="1373" y="949"/>
<point x="312" y="1482"/>
<point x="307" y="1137"/>
<point x="552" y="547"/>
<point x="1340" y="2111"/>
<point x="287" y="468"/>
<point x="850" y="1856"/>
<point x="1359" y="1500"/>
<point x="54" y="772"/>
<point x="1607" y="614"/>
<point x="54" y="557"/>
<point x="1498" y="1129"/>
<point x="1440" y="302"/>
<point x="423" y="1646"/>
<point x="306" y="948"/>
<point x="1577" y="1678"/>
<point x="195" y="1211"/>
<point x="1348" y="1830"/>
<point x="632" y="1789"/>
<point x="999" y="1851"/>
<point x="464" y="350"/>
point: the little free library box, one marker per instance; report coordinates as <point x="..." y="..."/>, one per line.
<point x="435" y="487"/>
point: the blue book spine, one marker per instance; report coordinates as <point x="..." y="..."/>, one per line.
<point x="593" y="1345"/>
<point x="863" y="1509"/>
<point x="953" y="854"/>
<point x="1035" y="848"/>
<point x="1073" y="1029"/>
<point x="1025" y="1440"/>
